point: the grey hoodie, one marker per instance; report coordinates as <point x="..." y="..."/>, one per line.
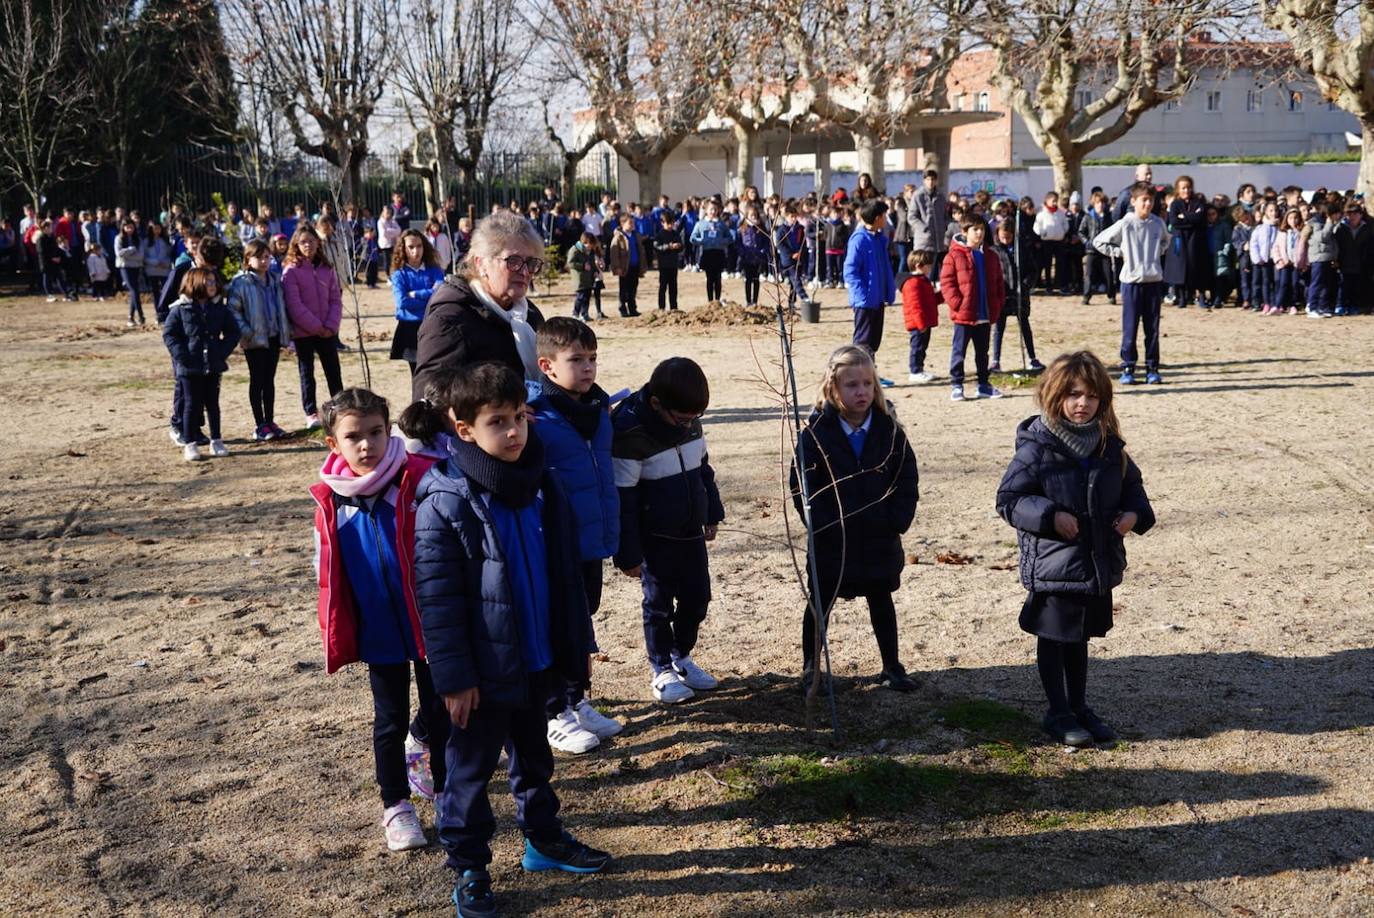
<point x="1321" y="245"/>
<point x="1140" y="244"/>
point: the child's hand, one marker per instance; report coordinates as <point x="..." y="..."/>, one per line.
<point x="631" y="571"/>
<point x="1066" y="524"/>
<point x="1125" y="522"/>
<point x="460" y="705"/>
<point x="709" y="532"/>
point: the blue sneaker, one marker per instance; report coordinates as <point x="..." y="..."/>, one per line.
<point x="1340" y="310"/>
<point x="472" y="896"/>
<point x="567" y="854"/>
<point x="989" y="391"/>
<point x="1153" y="378"/>
<point x="885" y="382"/>
<point x="1127" y="378"/>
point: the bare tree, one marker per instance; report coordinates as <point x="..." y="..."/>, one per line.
<point x="326" y="62"/>
<point x="1334" y="42"/>
<point x="756" y="89"/>
<point x="572" y="155"/>
<point x="870" y="66"/>
<point x="457" y="60"/>
<point x="648" y="68"/>
<point x="44" y="102"/>
<point x="1053" y="59"/>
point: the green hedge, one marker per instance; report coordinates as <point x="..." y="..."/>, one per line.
<point x="1297" y="159"/>
<point x="1131" y="159"/>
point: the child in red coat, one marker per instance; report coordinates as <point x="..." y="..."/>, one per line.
<point x="921" y="309"/>
<point x="971" y="282"/>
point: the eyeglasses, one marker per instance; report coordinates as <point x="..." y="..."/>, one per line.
<point x="681" y="419"/>
<point x="516" y="262"/>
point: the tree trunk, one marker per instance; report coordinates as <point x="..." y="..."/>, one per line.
<point x="746" y="149"/>
<point x="1365" y="182"/>
<point x="650" y="172"/>
<point x="1068" y="170"/>
<point x="869" y="156"/>
<point x="567" y="182"/>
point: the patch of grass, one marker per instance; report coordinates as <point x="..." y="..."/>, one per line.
<point x="857" y="786"/>
<point x="981" y="715"/>
<point x="1006" y="381"/>
<point x="137" y="384"/>
<point x="1011" y="758"/>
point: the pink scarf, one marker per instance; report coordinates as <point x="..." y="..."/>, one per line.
<point x="343" y="482"/>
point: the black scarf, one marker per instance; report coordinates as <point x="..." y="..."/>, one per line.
<point x="515" y="484"/>
<point x="583" y="412"/>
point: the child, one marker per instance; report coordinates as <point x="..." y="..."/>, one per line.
<point x="971" y="283"/>
<point x="200" y="332"/>
<point x="628" y="262"/>
<point x="1240" y="244"/>
<point x="669" y="510"/>
<point x="1052" y="226"/>
<point x="789" y="240"/>
<point x="755" y="250"/>
<point x="1140" y="240"/>
<point x="314" y="304"/>
<point x="835" y="233"/>
<point x="1018" y="266"/>
<point x="1097" y="266"/>
<point x="1261" y="256"/>
<point x="585" y="260"/>
<point x="55" y="268"/>
<point x="99" y="271"/>
<point x="920" y="309"/>
<point x="371" y="257"/>
<point x="1223" y="262"/>
<point x="1355" y="255"/>
<point x="157" y="258"/>
<point x="1072" y="493"/>
<point x="388" y="234"/>
<point x="368" y="611"/>
<point x="129" y="263"/>
<point x="504" y="618"/>
<point x="862" y="480"/>
<point x="259" y="305"/>
<point x="1289" y="254"/>
<point x="416" y="273"/>
<point x="1321" y="253"/>
<point x="868" y="277"/>
<point x="711" y="237"/>
<point x="575" y="424"/>
<point x="668" y="245"/>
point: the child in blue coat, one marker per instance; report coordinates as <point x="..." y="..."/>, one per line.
<point x="573" y="414"/>
<point x="415" y="275"/>
<point x="868" y="275"/>
<point x="201" y="333"/>
<point x="1072" y="493"/>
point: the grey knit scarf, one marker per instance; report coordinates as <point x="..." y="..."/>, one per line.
<point x="1081" y="439"/>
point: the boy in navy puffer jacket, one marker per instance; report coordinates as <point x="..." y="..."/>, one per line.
<point x="504" y="617"/>
<point x="669" y="510"/>
<point x="574" y="419"/>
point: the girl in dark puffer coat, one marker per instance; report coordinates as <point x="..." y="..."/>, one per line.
<point x="1072" y="493"/>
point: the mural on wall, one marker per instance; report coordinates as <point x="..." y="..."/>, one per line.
<point x="1000" y="184"/>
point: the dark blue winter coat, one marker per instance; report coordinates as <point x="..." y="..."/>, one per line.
<point x="467" y="605"/>
<point x="583" y="467"/>
<point x="754" y="246"/>
<point x="200" y="336"/>
<point x="858" y="522"/>
<point x="1045" y="478"/>
<point x="667" y="487"/>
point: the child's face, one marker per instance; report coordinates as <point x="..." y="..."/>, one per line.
<point x="1052" y="200"/>
<point x="572" y="369"/>
<point x="500" y="431"/>
<point x="415" y="250"/>
<point x="974" y="235"/>
<point x="360" y="439"/>
<point x="259" y="262"/>
<point x="680" y="419"/>
<point x="1004" y="234"/>
<point x="1143" y="205"/>
<point x="1080" y="405"/>
<point x="854" y="388"/>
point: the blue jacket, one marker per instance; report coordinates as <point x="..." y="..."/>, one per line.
<point x="712" y="234"/>
<point x="467" y="603"/>
<point x="868" y="271"/>
<point x="582" y="464"/>
<point x="411" y="288"/>
<point x="1045" y="478"/>
<point x="754" y="245"/>
<point x="667" y="486"/>
<point x="200" y="336"/>
<point x="366" y="532"/>
<point x="791" y="240"/>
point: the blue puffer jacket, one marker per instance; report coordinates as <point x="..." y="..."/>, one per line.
<point x="868" y="271"/>
<point x="581" y="464"/>
<point x="411" y="288"/>
<point x="200" y="336"/>
<point x="1045" y="478"/>
<point x="667" y="487"/>
<point x="467" y="605"/>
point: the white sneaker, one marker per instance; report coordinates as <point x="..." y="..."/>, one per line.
<point x="567" y="735"/>
<point x="191" y="453"/>
<point x="695" y="677"/>
<point x="919" y="377"/>
<point x="175" y="435"/>
<point x="218" y="449"/>
<point x="403" y="829"/>
<point x="670" y="689"/>
<point x="52" y="299"/>
<point x="312" y="422"/>
<point x="592" y="719"/>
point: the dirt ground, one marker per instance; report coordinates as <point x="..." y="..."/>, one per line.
<point x="170" y="744"/>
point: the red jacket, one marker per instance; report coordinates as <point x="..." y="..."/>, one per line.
<point x="959" y="283"/>
<point x="338" y="616"/>
<point x="920" y="302"/>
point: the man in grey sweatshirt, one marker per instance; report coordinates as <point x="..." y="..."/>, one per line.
<point x="1140" y="240"/>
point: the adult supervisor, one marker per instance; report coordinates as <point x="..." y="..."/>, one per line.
<point x="481" y="313"/>
<point x="1143" y="173"/>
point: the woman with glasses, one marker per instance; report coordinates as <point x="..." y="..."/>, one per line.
<point x="480" y="313"/>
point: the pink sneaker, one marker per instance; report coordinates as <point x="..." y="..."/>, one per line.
<point x="403" y="829"/>
<point x="417" y="767"/>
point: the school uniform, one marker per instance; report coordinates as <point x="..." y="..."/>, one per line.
<point x="200" y="337"/>
<point x="1355" y="255"/>
<point x="1018" y="264"/>
<point x="1261" y="249"/>
<point x="754" y="253"/>
<point x="411" y="288"/>
<point x="870" y="284"/>
<point x="1321" y="254"/>
<point x="259" y="306"/>
<point x="1245" y="268"/>
<point x="1140" y="244"/>
<point x="668" y="264"/>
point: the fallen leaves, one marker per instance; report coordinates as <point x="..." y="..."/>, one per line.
<point x="954" y="557"/>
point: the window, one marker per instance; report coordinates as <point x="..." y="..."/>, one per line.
<point x="1173" y="105"/>
<point x="1214" y="100"/>
<point x="1254" y="100"/>
<point x="1295" y="100"/>
<point x="1085" y="98"/>
<point x="984" y="101"/>
<point x="958" y="101"/>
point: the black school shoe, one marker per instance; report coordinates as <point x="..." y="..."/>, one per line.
<point x="1064" y="728"/>
<point x="1100" y="730"/>
<point x="566" y="854"/>
<point x="897" y="680"/>
<point x="472" y="896"/>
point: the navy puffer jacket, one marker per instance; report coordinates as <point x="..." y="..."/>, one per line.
<point x="200" y="336"/>
<point x="467" y="610"/>
<point x="876" y="493"/>
<point x="583" y="465"/>
<point x="1045" y="478"/>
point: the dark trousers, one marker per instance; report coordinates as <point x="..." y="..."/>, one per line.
<point x="55" y="282"/>
<point x="307" y="349"/>
<point x="130" y="277"/>
<point x="1140" y="305"/>
<point x="384" y="260"/>
<point x="834" y="267"/>
<point x="199" y="397"/>
<point x="1027" y="337"/>
<point x="920" y="343"/>
<point x="751" y="283"/>
<point x="676" y="579"/>
<point x="567" y="693"/>
<point x="1264" y="284"/>
<point x="1063" y="673"/>
<point x="796" y="283"/>
<point x="667" y="288"/>
<point x="371" y="272"/>
<point x="391" y="721"/>
<point x="1319" y="286"/>
<point x="463" y="815"/>
<point x="101" y="288"/>
<point x="1098" y="267"/>
<point x="868" y="329"/>
<point x="629" y="289"/>
<point x="1352" y="291"/>
<point x="882" y="615"/>
<point x="963" y="334"/>
<point x="713" y="263"/>
<point x="1072" y="274"/>
<point x="1286" y="284"/>
<point x="1245" y="277"/>
<point x="582" y="304"/>
<point x="262" y="379"/>
<point x="1052" y="273"/>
